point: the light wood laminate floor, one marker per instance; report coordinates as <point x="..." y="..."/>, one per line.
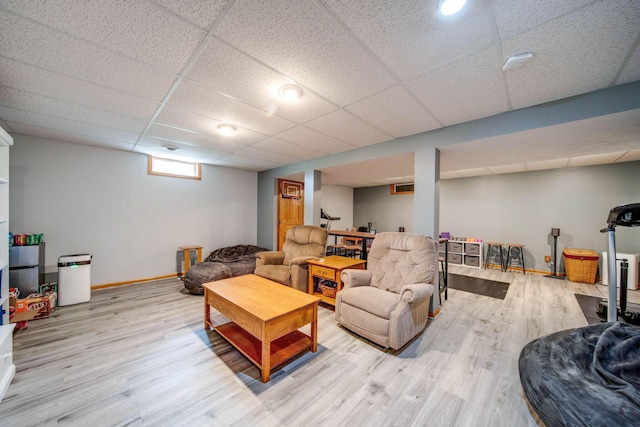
<point x="138" y="355"/>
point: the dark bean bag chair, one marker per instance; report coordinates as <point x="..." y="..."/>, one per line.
<point x="584" y="377"/>
<point x="222" y="263"/>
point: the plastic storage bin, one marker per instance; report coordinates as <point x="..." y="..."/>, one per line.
<point x="581" y="265"/>
<point x="74" y="279"/>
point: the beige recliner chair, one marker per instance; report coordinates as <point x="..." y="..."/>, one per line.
<point x="388" y="303"/>
<point x="289" y="266"/>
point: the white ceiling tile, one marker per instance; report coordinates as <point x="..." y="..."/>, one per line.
<point x="176" y="136"/>
<point x="186" y="149"/>
<point x="382" y="109"/>
<point x="199" y="12"/>
<point x="518" y="167"/>
<point x="546" y="164"/>
<point x="137" y="29"/>
<point x="208" y="103"/>
<point x="302" y="41"/>
<point x="631" y="71"/>
<point x="30" y="43"/>
<point x="348" y="128"/>
<point x="467" y="173"/>
<point x="595" y="159"/>
<point x="43" y="132"/>
<point x="279" y="146"/>
<point x="513" y="17"/>
<point x="630" y="156"/>
<point x="251" y="161"/>
<point x="237" y="165"/>
<point x="65" y="125"/>
<point x="467" y="89"/>
<point x="412" y="36"/>
<point x="450" y="175"/>
<point x="315" y="140"/>
<point x="193" y="122"/>
<point x="270" y="156"/>
<point x="31" y="102"/>
<point x="224" y="69"/>
<point x="48" y="83"/>
<point x="581" y="50"/>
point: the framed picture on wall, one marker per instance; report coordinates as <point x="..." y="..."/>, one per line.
<point x="291" y="189"/>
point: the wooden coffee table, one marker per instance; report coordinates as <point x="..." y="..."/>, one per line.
<point x="265" y="317"/>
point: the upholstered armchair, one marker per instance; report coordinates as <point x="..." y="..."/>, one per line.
<point x="289" y="266"/>
<point x="388" y="303"/>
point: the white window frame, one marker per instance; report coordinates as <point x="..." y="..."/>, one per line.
<point x="154" y="163"/>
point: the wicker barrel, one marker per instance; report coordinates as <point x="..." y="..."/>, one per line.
<point x="581" y="265"/>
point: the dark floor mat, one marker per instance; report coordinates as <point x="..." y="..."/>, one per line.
<point x="588" y="306"/>
<point x="487" y="288"/>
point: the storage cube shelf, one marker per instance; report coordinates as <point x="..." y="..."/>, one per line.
<point x="464" y="253"/>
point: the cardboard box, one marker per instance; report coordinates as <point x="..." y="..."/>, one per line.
<point x="34" y="306"/>
<point x="45" y="288"/>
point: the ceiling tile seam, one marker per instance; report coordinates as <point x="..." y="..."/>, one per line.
<point x="94" y="44"/>
<point x="192" y="59"/>
<point x="320" y="154"/>
<point x="628" y="57"/>
<point x="322" y="133"/>
<point x="259" y="158"/>
<point x="276" y="164"/>
<point x="5" y="125"/>
<point x="498" y="43"/>
<point x="357" y="39"/>
<point x="124" y="116"/>
<point x="258" y="61"/>
<point x="175" y="15"/>
<point x="84" y="135"/>
<point x="391" y="137"/>
<point x="80" y="79"/>
<point x="553" y="18"/>
<point x="71" y="120"/>
<point x="621" y="156"/>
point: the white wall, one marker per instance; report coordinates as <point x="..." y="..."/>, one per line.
<point x="386" y="211"/>
<point x="94" y="200"/>
<point x="523" y="207"/>
<point x="337" y="201"/>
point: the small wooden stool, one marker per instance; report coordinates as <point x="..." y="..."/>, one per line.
<point x="516" y="246"/>
<point x="187" y="255"/>
<point x="498" y="246"/>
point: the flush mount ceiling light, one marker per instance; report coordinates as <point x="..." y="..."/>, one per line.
<point x="449" y="7"/>
<point x="170" y="148"/>
<point x="517" y="61"/>
<point x="226" y="129"/>
<point x="290" y="92"/>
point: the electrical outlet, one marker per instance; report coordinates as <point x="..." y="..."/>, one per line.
<point x="547" y="258"/>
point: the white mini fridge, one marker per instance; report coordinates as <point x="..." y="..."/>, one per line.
<point x="74" y="279"/>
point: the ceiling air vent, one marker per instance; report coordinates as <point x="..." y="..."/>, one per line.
<point x="402" y="188"/>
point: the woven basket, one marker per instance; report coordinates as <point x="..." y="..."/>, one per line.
<point x="328" y="291"/>
<point x="581" y="265"/>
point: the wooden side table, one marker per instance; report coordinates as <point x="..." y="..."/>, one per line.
<point x="330" y="268"/>
<point x="187" y="255"/>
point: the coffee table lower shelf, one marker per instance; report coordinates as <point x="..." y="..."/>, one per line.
<point x="282" y="349"/>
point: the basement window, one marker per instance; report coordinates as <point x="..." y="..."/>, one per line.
<point x="175" y="168"/>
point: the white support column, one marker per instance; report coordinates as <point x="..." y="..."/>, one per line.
<point x="312" y="186"/>
<point x="426" y="203"/>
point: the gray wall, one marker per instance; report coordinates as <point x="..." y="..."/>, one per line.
<point x="523" y="207"/>
<point x="337" y="201"/>
<point x="101" y="201"/>
<point x="386" y="211"/>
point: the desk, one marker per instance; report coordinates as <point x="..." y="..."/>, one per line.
<point x="355" y="234"/>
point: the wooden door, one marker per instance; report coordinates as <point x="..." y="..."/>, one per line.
<point x="290" y="207"/>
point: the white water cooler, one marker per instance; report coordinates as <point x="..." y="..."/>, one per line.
<point x="74" y="279"/>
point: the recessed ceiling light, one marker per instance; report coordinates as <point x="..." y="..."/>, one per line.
<point x="171" y="148"/>
<point x="449" y="7"/>
<point x="290" y="92"/>
<point x="227" y="129"/>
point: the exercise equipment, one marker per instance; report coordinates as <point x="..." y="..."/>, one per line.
<point x="555" y="232"/>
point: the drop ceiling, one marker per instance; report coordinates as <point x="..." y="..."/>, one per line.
<point x="139" y="75"/>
